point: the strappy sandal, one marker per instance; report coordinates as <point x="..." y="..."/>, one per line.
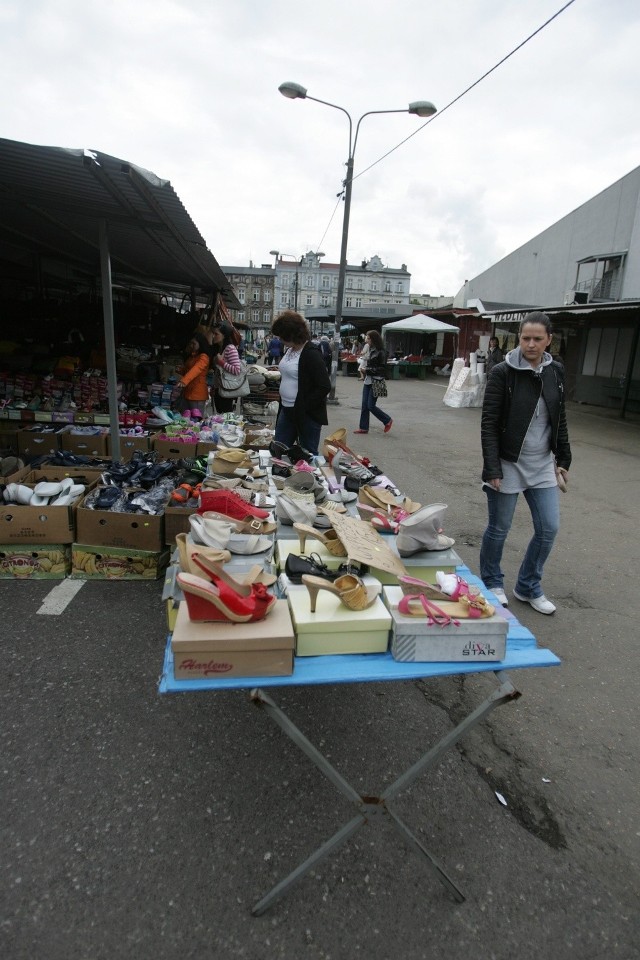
<point x="247" y="525"/>
<point x="208" y="601"/>
<point x="466" y="608"/>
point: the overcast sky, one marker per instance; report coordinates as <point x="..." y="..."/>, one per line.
<point x="189" y="90"/>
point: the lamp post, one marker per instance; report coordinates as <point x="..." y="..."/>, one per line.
<point x="420" y="108"/>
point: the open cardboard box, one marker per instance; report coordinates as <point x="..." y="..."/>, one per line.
<point x="130" y="531"/>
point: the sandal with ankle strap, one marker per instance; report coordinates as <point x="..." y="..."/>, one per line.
<point x="349" y="588"/>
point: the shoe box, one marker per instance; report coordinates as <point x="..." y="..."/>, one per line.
<point x="423" y="565"/>
<point x="285" y="547"/>
<point x="333" y="628"/>
<point x="204" y="448"/>
<point x="37" y="442"/>
<point x="86" y="445"/>
<point x="37" y="561"/>
<point x="413" y="639"/>
<point x="173" y="449"/>
<point x="128" y="531"/>
<point x="89" y="562"/>
<point x="215" y="650"/>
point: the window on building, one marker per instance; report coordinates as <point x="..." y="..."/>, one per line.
<point x="255" y="316"/>
<point x="266" y="317"/>
<point x="360" y="285"/>
<point x="241" y="294"/>
<point x="283" y="299"/>
<point x="267" y="295"/>
<point x="286" y="279"/>
<point x="308" y="281"/>
<point x="607" y="352"/>
<point x="387" y="286"/>
<point x="308" y="299"/>
<point x="349" y="283"/>
<point x="325" y="282"/>
<point x="349" y="301"/>
<point x="358" y="301"/>
<point x="374" y="285"/>
<point x="240" y="316"/>
<point x="399" y="286"/>
<point x="256" y="293"/>
<point x="324" y="301"/>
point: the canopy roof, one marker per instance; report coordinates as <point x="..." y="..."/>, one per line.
<point x="419" y="323"/>
<point x="52" y="200"/>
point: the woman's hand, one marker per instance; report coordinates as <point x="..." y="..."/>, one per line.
<point x="495" y="483"/>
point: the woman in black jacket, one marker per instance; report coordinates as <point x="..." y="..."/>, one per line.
<point x="304" y="384"/>
<point x="375" y="369"/>
<point x="525" y="448"/>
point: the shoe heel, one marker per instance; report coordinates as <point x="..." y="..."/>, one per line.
<point x="202" y="610"/>
<point x="302" y="539"/>
<point x="313" y="596"/>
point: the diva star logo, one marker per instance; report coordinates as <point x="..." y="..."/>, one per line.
<point x="211" y="666"/>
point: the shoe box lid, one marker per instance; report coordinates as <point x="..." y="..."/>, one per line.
<point x="333" y="617"/>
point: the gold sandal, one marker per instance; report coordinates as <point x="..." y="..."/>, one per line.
<point x="351" y="590"/>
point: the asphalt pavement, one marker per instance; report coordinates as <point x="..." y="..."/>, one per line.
<point x="146" y="826"/>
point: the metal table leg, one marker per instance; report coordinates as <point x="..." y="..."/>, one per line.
<point x="371" y="808"/>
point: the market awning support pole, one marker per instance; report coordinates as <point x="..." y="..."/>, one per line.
<point x="109" y="340"/>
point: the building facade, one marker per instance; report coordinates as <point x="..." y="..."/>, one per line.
<point x="308" y="283"/>
<point x="255" y="288"/>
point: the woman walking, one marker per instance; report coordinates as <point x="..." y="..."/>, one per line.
<point x="304" y="384"/>
<point x="374" y="372"/>
<point x="525" y="449"/>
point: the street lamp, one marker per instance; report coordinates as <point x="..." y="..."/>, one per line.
<point x="420" y="108"/>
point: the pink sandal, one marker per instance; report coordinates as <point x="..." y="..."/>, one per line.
<point x="435" y="616"/>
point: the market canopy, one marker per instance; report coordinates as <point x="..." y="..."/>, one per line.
<point x="53" y="199"/>
<point x="419" y="323"/>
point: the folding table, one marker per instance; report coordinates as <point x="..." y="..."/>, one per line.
<point x="521" y="652"/>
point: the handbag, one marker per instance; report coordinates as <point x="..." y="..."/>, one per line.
<point x="232" y="384"/>
<point x="379" y="387"/>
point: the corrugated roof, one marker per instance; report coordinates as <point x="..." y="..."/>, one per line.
<point x="52" y="200"/>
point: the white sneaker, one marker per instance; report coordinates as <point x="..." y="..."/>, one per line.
<point x="541" y="604"/>
<point x="500" y="595"/>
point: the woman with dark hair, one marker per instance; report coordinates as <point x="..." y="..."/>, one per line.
<point x="224" y="341"/>
<point x="525" y="449"/>
<point x="494" y="356"/>
<point x="374" y="369"/>
<point x="191" y="391"/>
<point x="304" y="384"/>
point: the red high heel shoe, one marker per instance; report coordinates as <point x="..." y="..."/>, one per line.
<point x="248" y="590"/>
<point x="207" y="601"/>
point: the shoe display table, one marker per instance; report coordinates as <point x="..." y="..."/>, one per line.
<point x="521" y="652"/>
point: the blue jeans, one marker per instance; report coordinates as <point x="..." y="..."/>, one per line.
<point x="544" y="505"/>
<point x="287" y="431"/>
<point x="369" y="406"/>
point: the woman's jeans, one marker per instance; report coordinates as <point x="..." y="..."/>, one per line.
<point x="369" y="406"/>
<point x="545" y="512"/>
<point x="287" y="431"/>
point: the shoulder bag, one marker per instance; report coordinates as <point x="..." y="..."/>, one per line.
<point x="232" y="384"/>
<point x="378" y="387"/>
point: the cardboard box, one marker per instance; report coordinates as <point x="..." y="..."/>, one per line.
<point x="37" y="525"/>
<point x="129" y="531"/>
<point x="112" y="563"/>
<point x="260" y="649"/>
<point x="129" y="445"/>
<point x="38" y="443"/>
<point x="333" y="628"/>
<point x="204" y="448"/>
<point x="173" y="449"/>
<point x="412" y="639"/>
<point x="46" y="561"/>
<point x="176" y="520"/>
<point x="86" y="446"/>
<point x="86" y="475"/>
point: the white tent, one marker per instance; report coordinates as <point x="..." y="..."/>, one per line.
<point x="420" y="323"/>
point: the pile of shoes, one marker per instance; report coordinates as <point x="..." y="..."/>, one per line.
<point x="43" y="494"/>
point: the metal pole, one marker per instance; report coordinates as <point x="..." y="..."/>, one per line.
<point x="109" y="340"/>
<point x="341" y="278"/>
